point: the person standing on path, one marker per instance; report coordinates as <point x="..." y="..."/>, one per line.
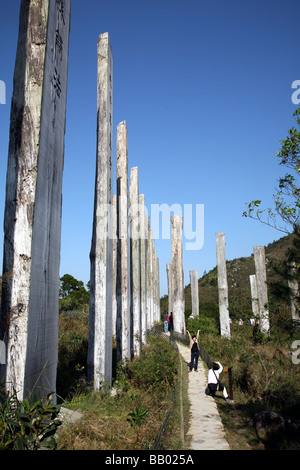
<point x="194" y="351"/>
<point x="171" y="326"/>
<point x="213" y="382"/>
<point x="166" y="326"/>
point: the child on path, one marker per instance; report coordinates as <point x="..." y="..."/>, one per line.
<point x="194" y="351"/>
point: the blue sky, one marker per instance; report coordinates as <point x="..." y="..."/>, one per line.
<point x="205" y="88"/>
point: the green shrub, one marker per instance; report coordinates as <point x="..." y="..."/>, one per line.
<point x="155" y="367"/>
<point x="25" y="425"/>
<point x="209" y="309"/>
<point x="206" y="325"/>
<point x="72" y="351"/>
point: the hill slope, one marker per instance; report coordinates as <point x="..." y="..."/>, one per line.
<point x="238" y="272"/>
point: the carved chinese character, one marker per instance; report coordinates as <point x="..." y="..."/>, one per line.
<point x="58" y="43"/>
<point x="57" y="83"/>
<point x="61" y="10"/>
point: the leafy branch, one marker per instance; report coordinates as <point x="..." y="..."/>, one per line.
<point x="27" y="425"/>
<point x="286" y="213"/>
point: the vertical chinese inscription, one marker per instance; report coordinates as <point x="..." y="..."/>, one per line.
<point x="45" y="251"/>
<point x="58" y="50"/>
<point x="32" y="221"/>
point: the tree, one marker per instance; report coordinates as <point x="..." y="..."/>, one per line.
<point x="72" y="293"/>
<point x="285" y="215"/>
<point x="69" y="284"/>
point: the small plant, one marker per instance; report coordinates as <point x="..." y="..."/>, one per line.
<point x="135" y="418"/>
<point x="27" y="425"/>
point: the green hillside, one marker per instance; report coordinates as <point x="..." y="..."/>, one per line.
<point x="238" y="272"/>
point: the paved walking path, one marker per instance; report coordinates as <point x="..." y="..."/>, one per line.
<point x="206" y="429"/>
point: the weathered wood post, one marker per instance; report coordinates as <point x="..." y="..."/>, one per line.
<point x="123" y="246"/>
<point x="135" y="266"/>
<point x="143" y="267"/>
<point x="177" y="275"/>
<point x="115" y="251"/>
<point x="148" y="276"/>
<point x="294" y="291"/>
<point x="101" y="256"/>
<point x="157" y="290"/>
<point x="154" y="281"/>
<point x="151" y="290"/>
<point x="254" y="296"/>
<point x="194" y="292"/>
<point x="32" y="220"/>
<point x="169" y="279"/>
<point x="262" y="290"/>
<point x="222" y="286"/>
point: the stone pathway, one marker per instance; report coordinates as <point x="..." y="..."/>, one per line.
<point x="206" y="429"/>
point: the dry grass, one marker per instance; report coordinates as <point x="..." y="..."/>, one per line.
<point x="104" y="424"/>
<point x="264" y="379"/>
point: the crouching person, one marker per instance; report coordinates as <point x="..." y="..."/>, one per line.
<point x="213" y="382"/>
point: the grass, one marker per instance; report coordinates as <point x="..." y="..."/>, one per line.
<point x="264" y="379"/>
<point x="181" y="412"/>
<point x="104" y="424"/>
<point x="151" y="383"/>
